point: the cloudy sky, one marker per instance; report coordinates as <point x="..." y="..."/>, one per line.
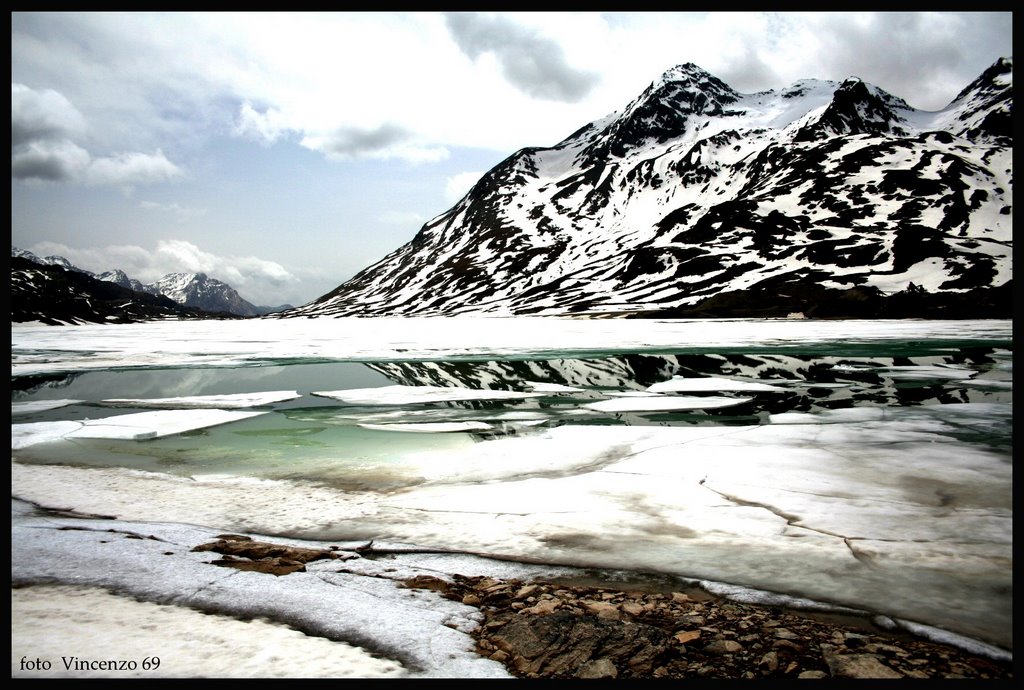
<point x="282" y="153"/>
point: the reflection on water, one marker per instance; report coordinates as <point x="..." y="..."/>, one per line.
<point x="183" y="381"/>
<point x="319" y="439"/>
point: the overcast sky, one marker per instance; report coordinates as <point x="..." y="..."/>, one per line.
<point x="282" y="153"/>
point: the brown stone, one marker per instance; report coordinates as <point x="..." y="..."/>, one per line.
<point x="542" y="607"/>
<point x="525" y="591"/>
<point x="426" y="582"/>
<point x="687" y="636"/>
<point x="858" y="666"/>
<point x="723" y="647"/>
<point x="769" y="662"/>
<point x="632" y="608"/>
<point x="602" y="609"/>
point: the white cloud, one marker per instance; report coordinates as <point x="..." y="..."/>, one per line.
<point x="42" y="115"/>
<point x="57" y="160"/>
<point x="456" y="186"/>
<point x="266" y="127"/>
<point x="43" y="124"/>
<point x="383" y="142"/>
<point x="413" y="85"/>
<point x="535" y="64"/>
<point x="129" y="169"/>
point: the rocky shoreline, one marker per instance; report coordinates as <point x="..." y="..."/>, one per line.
<point x="560" y="630"/>
<point x="564" y="630"/>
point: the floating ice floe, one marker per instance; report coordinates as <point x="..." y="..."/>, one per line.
<point x="927" y="372"/>
<point x="663" y="402"/>
<point x="840" y="416"/>
<point x="709" y="383"/>
<point x="33" y="406"/>
<point x="543" y="386"/>
<point x="404" y="395"/>
<point x="430" y="427"/>
<point x="132" y="427"/>
<point x="230" y="401"/>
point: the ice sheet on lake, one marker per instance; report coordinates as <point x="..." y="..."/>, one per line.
<point x="229" y="401"/>
<point x="650" y="403"/>
<point x="34" y="406"/>
<point x="903" y="510"/>
<point x="406" y="395"/>
<point x="136" y="427"/>
<point x="39" y="348"/>
<point x="886" y="514"/>
<point x="710" y="383"/>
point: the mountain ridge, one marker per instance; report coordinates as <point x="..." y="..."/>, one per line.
<point x="694" y="191"/>
<point x="191" y="290"/>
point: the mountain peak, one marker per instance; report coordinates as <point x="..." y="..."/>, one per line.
<point x="858" y="108"/>
<point x="683" y="72"/>
<point x="665" y="110"/>
<point x="984" y="109"/>
<point x="703" y="201"/>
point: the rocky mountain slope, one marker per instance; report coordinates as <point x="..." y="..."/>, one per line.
<point x="199" y="290"/>
<point x="51" y="294"/>
<point x="196" y="291"/>
<point x="696" y="200"/>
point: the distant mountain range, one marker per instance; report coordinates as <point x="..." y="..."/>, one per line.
<point x="52" y="289"/>
<point x="825" y="199"/>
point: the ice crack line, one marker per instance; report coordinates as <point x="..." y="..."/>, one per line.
<point x="725" y="432"/>
<point x="791" y="520"/>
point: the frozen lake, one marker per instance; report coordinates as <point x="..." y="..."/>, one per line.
<point x="861" y="464"/>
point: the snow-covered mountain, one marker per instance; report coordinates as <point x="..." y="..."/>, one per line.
<point x="696" y="199"/>
<point x="201" y="291"/>
<point x="193" y="290"/>
<point x="50" y="293"/>
<point x="121" y="278"/>
<point x="49" y="261"/>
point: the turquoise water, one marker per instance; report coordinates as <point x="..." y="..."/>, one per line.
<point x="319" y="439"/>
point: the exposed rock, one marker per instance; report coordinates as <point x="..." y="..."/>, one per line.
<point x="243" y="553"/>
<point x="563" y="635"/>
<point x="426" y="582"/>
<point x="271" y="565"/>
<point x="543" y="607"/>
<point x="562" y="644"/>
